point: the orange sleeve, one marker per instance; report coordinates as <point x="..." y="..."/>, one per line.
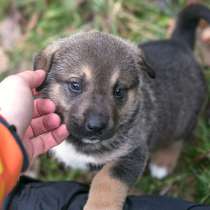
<point x="11" y="158"/>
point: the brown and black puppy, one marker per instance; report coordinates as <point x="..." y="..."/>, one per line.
<point x="121" y="102"/>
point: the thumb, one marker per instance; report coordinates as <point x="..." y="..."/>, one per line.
<point x="33" y="78"/>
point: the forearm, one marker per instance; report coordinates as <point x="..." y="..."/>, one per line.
<point x="12" y="102"/>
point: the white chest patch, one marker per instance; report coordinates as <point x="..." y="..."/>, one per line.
<point x="66" y="153"/>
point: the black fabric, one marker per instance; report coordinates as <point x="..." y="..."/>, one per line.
<point x="30" y="194"/>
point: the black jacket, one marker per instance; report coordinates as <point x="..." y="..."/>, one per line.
<point x="31" y="194"/>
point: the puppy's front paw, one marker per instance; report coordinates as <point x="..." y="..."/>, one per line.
<point x="98" y="206"/>
<point x="164" y="160"/>
<point x="158" y="171"/>
<point x="106" y="192"/>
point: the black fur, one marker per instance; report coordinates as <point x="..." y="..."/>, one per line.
<point x="187" y="22"/>
<point x="168" y="98"/>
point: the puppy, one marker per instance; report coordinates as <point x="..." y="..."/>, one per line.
<point x="122" y="102"/>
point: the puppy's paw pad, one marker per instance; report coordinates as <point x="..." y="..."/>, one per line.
<point x="158" y="172"/>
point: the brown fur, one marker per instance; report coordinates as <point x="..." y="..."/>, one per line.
<point x="114" y="78"/>
<point x="167" y="157"/>
<point x="106" y="192"/>
<point x="87" y="71"/>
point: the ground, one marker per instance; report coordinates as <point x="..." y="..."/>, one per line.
<point x="27" y="26"/>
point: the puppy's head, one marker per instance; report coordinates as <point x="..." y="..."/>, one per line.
<point x="93" y="78"/>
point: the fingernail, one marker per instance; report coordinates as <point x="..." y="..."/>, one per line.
<point x="50" y="104"/>
<point x="65" y="132"/>
<point x="41" y="73"/>
<point x="53" y="120"/>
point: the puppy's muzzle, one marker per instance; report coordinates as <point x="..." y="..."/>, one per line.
<point x="95" y="124"/>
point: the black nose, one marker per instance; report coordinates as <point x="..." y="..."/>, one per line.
<point x="95" y="123"/>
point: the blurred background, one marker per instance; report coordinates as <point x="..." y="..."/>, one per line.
<point x="26" y="26"/>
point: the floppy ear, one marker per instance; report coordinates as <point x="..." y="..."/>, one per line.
<point x="43" y="60"/>
<point x="146" y="66"/>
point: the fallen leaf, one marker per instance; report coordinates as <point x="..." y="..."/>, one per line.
<point x="205" y="35"/>
<point x="10" y="32"/>
<point x="4" y="61"/>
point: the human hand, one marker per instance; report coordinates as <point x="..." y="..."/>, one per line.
<point x="16" y="105"/>
<point x="45" y="130"/>
<point x="16" y="98"/>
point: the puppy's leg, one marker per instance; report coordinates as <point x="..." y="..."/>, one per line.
<point x="106" y="192"/>
<point x="110" y="186"/>
<point x="34" y="169"/>
<point x="164" y="160"/>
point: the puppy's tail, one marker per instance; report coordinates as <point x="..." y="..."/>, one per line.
<point x="187" y="22"/>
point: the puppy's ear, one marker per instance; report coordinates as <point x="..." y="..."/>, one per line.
<point x="146" y="66"/>
<point x="43" y="60"/>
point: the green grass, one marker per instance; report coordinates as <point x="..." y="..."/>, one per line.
<point x="136" y="20"/>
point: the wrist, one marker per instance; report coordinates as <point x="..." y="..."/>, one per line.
<point x="11" y="119"/>
<point x="9" y="135"/>
<point x="16" y="104"/>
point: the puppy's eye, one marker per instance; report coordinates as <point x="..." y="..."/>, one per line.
<point x="75" y="87"/>
<point x="119" y="92"/>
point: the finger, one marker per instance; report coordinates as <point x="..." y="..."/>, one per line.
<point x="43" y="124"/>
<point x="44" y="142"/>
<point x="43" y="106"/>
<point x="33" y="78"/>
<point x="34" y="92"/>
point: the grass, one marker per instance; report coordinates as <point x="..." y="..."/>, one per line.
<point x="138" y="21"/>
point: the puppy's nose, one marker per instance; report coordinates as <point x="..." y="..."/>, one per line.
<point x="95" y="123"/>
